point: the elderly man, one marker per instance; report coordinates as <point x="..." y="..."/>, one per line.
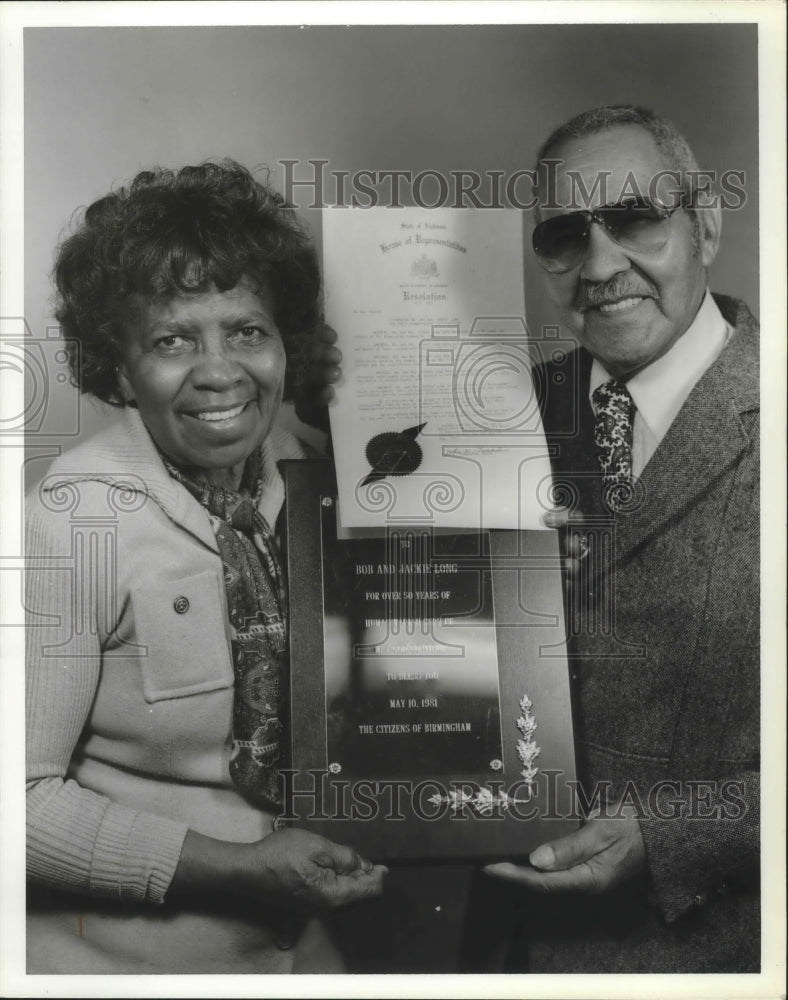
<point x="654" y="422"/>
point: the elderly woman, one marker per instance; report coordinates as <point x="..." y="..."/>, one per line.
<point x="157" y="643"/>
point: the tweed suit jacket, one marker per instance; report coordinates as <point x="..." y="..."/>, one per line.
<point x="663" y="626"/>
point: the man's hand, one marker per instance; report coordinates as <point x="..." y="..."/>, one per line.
<point x="320" y="371"/>
<point x="602" y="854"/>
<point x="574" y="543"/>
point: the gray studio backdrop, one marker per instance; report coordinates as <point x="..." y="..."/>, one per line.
<point x="103" y="103"/>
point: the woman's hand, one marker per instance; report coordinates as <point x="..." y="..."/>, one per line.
<point x="321" y="371"/>
<point x="293" y="868"/>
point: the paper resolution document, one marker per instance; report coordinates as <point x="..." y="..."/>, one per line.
<point x="436" y="421"/>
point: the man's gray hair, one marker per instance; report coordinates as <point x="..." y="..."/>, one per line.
<point x="671" y="143"/>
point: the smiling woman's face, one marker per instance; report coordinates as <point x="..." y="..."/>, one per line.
<point x="206" y="371"/>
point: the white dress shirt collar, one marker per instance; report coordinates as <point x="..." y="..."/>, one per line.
<point x="661" y="389"/>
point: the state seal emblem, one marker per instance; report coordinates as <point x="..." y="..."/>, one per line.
<point x="424" y="267"/>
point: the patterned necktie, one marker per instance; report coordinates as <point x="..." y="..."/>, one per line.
<point x="615" y="413"/>
<point x="257" y="603"/>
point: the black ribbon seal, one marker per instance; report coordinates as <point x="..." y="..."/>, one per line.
<point x="394" y="453"/>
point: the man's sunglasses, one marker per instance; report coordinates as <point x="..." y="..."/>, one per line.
<point x="561" y="243"/>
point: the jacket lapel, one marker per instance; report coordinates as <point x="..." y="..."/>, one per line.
<point x="706" y="439"/>
<point x="124" y="456"/>
<point x="569" y="429"/>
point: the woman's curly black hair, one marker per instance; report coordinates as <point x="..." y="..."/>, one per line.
<point x="172" y="232"/>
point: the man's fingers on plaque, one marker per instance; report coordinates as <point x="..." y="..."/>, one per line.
<point x="577" y="879"/>
<point x="578" y="544"/>
<point x="564" y="519"/>
<point x="556" y="518"/>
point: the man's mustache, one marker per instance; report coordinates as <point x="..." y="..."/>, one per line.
<point x="593" y="294"/>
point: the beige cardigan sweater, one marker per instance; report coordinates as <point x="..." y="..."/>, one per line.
<point x="129" y="706"/>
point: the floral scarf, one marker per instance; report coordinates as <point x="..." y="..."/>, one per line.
<point x="257" y="606"/>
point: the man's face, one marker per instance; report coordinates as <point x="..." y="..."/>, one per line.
<point x="627" y="309"/>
